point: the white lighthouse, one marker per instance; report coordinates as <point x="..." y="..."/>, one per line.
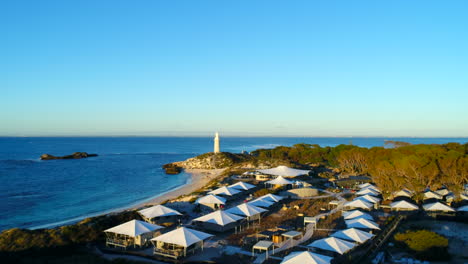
<point x="216" y="143"/>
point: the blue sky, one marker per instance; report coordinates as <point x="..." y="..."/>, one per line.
<point x="252" y="68"/>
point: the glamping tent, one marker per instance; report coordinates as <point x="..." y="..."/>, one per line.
<point x="368" y="191"/>
<point x="354" y="204"/>
<point x="347" y="215"/>
<point x="333" y="244"/>
<point x="131" y="233"/>
<point x="438" y="207"/>
<point x="432" y="195"/>
<point x="361" y="223"/>
<point x="284" y="171"/>
<point x="306" y="257"/>
<point x="443" y="192"/>
<point x="179" y="242"/>
<point x="368" y="198"/>
<point x="403" y="193"/>
<point x="242" y="186"/>
<point x="403" y="206"/>
<point x="364" y="185"/>
<point x="250" y="211"/>
<point x="464" y="196"/>
<point x="226" y="191"/>
<point x="261" y="203"/>
<point x="271" y="197"/>
<point x="159" y="214"/>
<point x="353" y="234"/>
<point x="279" y="181"/>
<point x="372" y="188"/>
<point x="211" y="201"/>
<point x="218" y="221"/>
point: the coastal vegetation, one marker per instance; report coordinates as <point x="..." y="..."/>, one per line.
<point x="427" y="245"/>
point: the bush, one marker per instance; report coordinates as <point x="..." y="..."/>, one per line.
<point x="426" y="244"/>
<point x="261" y="192"/>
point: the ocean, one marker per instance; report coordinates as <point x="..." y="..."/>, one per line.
<point x="39" y="194"/>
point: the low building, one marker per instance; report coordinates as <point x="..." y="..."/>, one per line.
<point x="219" y="221"/>
<point x="160" y="214"/>
<point x="132" y="233"/>
<point x="179" y="243"/>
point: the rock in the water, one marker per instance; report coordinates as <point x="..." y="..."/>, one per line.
<point x="172" y="168"/>
<point x="76" y="155"/>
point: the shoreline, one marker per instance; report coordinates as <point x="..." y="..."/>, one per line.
<point x="198" y="179"/>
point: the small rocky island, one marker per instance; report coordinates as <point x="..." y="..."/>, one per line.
<point x="76" y="155"/>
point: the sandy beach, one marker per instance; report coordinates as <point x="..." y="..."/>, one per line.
<point x="200" y="178"/>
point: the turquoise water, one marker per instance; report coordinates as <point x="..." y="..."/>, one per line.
<point x="35" y="193"/>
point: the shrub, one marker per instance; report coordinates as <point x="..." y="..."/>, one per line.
<point x="426" y="244"/>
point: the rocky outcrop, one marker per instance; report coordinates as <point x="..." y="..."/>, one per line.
<point x="76" y="155"/>
<point x="172" y="168"/>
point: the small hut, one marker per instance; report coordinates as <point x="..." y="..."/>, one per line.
<point x="179" y="242"/>
<point x="247" y="210"/>
<point x="347" y="215"/>
<point x="132" y="233"/>
<point x="211" y="201"/>
<point x="284" y="171"/>
<point x="160" y="214"/>
<point x="218" y="221"/>
<point x="438" y="207"/>
<point x="368" y="198"/>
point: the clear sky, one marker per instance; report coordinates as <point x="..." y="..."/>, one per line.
<point x="246" y="68"/>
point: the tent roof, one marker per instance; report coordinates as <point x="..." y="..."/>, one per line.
<point x="438" y="206"/>
<point x="225" y="191"/>
<point x="463" y="208"/>
<point x="367" y="191"/>
<point x="242" y="186"/>
<point x="364" y="185"/>
<point x="211" y="199"/>
<point x="464" y="196"/>
<point x="219" y="217"/>
<point x="430" y="194"/>
<point x="303" y="257"/>
<point x="372" y="188"/>
<point x="133" y="228"/>
<point x="261" y="203"/>
<point x="356" y="214"/>
<point x="359" y="204"/>
<point x="403" y="192"/>
<point x="404" y="205"/>
<point x="182" y="236"/>
<point x="284" y="171"/>
<point x="279" y="181"/>
<point x="158" y="211"/>
<point x="443" y="192"/>
<point x="353" y="234"/>
<point x="333" y="244"/>
<point x="361" y="223"/>
<point x="368" y="198"/>
<point x="271" y="197"/>
<point x="246" y="209"/>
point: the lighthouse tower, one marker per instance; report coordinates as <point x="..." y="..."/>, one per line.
<point x="216" y="143"/>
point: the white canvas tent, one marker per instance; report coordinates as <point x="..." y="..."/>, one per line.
<point x="403" y="206"/>
<point x="353" y="234"/>
<point x="133" y="232"/>
<point x="347" y="215"/>
<point x="212" y="201"/>
<point x="432" y="195"/>
<point x="358" y="204"/>
<point x="368" y="198"/>
<point x="271" y="197"/>
<point x="219" y="221"/>
<point x="279" y="181"/>
<point x="227" y="191"/>
<point x="284" y="171"/>
<point x="361" y="223"/>
<point x="333" y="244"/>
<point x="372" y="188"/>
<point x="403" y="193"/>
<point x="248" y="210"/>
<point x="306" y="257"/>
<point x="179" y="242"/>
<point x="443" y="192"/>
<point x="438" y="207"/>
<point x="242" y="186"/>
<point x="364" y="185"/>
<point x="463" y="209"/>
<point x="159" y="213"/>
<point x="261" y="203"/>
<point x="367" y="191"/>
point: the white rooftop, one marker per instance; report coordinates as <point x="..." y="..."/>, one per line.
<point x="430" y="195"/>
<point x="279" y="181"/>
<point x="211" y="199"/>
<point x="183" y="236"/>
<point x="364" y="185"/>
<point x="367" y="191"/>
<point x="361" y="223"/>
<point x="463" y="208"/>
<point x="333" y="244"/>
<point x="372" y="188"/>
<point x="403" y="192"/>
<point x="219" y="217"/>
<point x="158" y="211"/>
<point x="359" y="204"/>
<point x="133" y="228"/>
<point x="368" y="198"/>
<point x="356" y="214"/>
<point x="261" y="203"/>
<point x="284" y="171"/>
<point x="242" y="186"/>
<point x="271" y="197"/>
<point x="246" y="209"/>
<point x="438" y="206"/>
<point x="353" y="234"/>
<point x="404" y="205"/>
<point x="306" y="257"/>
<point x="225" y="191"/>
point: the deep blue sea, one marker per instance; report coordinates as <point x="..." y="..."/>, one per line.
<point x="36" y="194"/>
